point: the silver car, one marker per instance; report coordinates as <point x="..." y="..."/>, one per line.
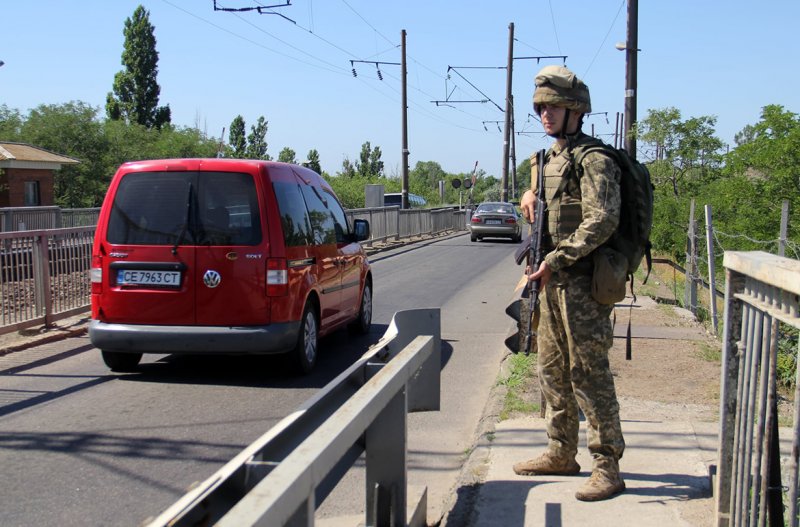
<point x="495" y="219"/>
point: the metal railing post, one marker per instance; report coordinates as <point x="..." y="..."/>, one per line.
<point x="386" y="465"/>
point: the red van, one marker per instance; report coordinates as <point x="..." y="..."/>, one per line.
<point x="224" y="256"/>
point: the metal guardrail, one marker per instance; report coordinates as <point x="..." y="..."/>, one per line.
<point x="282" y="477"/>
<point x="44" y="276"/>
<point x="761" y="291"/>
<point x="393" y="223"/>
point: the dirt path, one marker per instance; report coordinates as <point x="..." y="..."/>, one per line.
<point x="674" y="361"/>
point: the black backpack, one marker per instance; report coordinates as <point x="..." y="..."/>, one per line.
<point x="632" y="237"/>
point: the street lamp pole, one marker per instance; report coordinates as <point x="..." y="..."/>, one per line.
<point x="631" y="50"/>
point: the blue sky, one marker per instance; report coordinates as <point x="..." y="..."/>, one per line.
<point x="725" y="59"/>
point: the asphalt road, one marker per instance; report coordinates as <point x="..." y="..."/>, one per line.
<point x="82" y="446"/>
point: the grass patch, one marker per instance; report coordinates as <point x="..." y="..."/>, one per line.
<point x="519" y="384"/>
<point x="709" y="353"/>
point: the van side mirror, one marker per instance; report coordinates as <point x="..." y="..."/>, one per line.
<point x="360" y="230"/>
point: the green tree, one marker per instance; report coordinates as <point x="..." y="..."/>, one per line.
<point x="686" y="153"/>
<point x="369" y="164"/>
<point x="287" y="155"/>
<point x="768" y="158"/>
<point x="135" y="91"/>
<point x="348" y="169"/>
<point x="523" y="176"/>
<point x="312" y="161"/>
<point x="71" y="129"/>
<point x="237" y="138"/>
<point x="257" y="140"/>
<point x="10" y="123"/>
<point x="427" y="174"/>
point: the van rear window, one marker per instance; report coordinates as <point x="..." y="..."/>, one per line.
<point x="185" y="208"/>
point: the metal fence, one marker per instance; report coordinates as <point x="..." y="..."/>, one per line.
<point x="282" y="477"/>
<point x="762" y="292"/>
<point x="393" y="223"/>
<point x="44" y="276"/>
<point x="38" y="218"/>
<point x="29" y="296"/>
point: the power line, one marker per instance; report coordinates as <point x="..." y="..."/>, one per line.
<point x="555" y="30"/>
<point x="613" y="23"/>
<point x="365" y="21"/>
<point x="449" y="68"/>
<point x="333" y="68"/>
<point x="338" y="69"/>
<point x="262" y="30"/>
<point x="537" y="50"/>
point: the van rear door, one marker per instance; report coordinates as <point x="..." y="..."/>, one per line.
<point x="147" y="251"/>
<point x="231" y="252"/>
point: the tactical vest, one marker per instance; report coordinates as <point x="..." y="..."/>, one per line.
<point x="564" y="214"/>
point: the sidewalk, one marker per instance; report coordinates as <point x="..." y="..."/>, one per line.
<point x="670" y="445"/>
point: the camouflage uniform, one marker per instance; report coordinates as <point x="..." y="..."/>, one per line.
<point x="575" y="332"/>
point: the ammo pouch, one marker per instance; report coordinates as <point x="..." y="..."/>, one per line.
<point x="609" y="276"/>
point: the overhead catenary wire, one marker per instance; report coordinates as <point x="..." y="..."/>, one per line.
<point x="387" y="90"/>
<point x="380" y="72"/>
<point x="336" y="69"/>
<point x="555" y="30"/>
<point x="600" y="47"/>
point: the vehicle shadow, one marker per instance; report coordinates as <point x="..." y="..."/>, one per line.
<point x="338" y="351"/>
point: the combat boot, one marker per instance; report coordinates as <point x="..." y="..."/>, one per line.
<point x="604" y="482"/>
<point x="548" y="464"/>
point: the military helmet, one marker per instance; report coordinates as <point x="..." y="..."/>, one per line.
<point x="559" y="86"/>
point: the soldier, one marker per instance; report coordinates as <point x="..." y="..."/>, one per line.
<point x="575" y="331"/>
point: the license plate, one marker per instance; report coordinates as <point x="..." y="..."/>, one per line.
<point x="149" y="278"/>
<point x="493" y="222"/>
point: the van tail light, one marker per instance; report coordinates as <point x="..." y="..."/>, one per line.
<point x="277" y="277"/>
<point x="96" y="275"/>
<point x="511" y="220"/>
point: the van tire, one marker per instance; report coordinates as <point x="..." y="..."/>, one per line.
<point x="121" y="362"/>
<point x="361" y="325"/>
<point x="306" y="350"/>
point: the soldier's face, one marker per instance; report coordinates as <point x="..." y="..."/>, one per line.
<point x="553" y="120"/>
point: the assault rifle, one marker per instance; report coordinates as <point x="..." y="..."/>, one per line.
<point x="531" y="252"/>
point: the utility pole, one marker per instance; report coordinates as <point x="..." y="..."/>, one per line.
<point x="404" y="102"/>
<point x="631" y="50"/>
<point x="509" y="109"/>
<point x="513" y="153"/>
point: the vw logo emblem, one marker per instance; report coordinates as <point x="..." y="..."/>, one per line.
<point x="211" y="279"/>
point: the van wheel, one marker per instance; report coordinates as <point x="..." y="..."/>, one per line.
<point x="121" y="362"/>
<point x="362" y="323"/>
<point x="305" y="352"/>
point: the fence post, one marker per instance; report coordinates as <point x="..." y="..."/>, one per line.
<point x="690" y="294"/>
<point x="43" y="297"/>
<point x="712" y="282"/>
<point x="731" y="349"/>
<point x="784" y="228"/>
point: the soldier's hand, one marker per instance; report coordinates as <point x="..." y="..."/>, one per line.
<point x="528" y="205"/>
<point x="543" y="273"/>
